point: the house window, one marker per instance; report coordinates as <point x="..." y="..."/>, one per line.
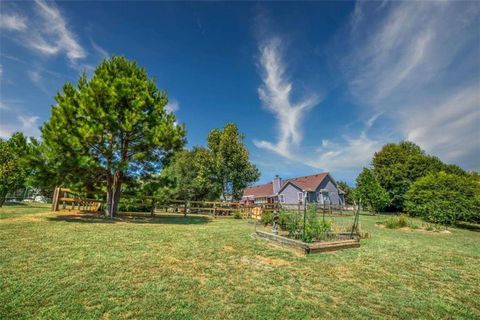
<point x="326" y="198"/>
<point x="282" y="198"/>
<point x="300" y="196"/>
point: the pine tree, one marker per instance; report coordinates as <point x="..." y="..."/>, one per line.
<point x="114" y="124"/>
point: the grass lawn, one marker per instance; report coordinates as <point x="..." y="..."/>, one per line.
<point x="66" y="266"/>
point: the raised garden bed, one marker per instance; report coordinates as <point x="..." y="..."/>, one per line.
<point x="344" y="242"/>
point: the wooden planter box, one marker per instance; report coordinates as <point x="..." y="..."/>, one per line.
<point x="315" y="247"/>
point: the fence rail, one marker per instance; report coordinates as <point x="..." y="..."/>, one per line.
<point x="94" y="201"/>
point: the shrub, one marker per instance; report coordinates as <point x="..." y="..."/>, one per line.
<point x="237" y="215"/>
<point x="444" y="198"/>
<point x="267" y="217"/>
<point x="399" y="222"/>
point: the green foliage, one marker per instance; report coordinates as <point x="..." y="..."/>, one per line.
<point x="397" y="166"/>
<point x="349" y="197"/>
<point x="396" y="222"/>
<point x="189" y="175"/>
<point x="237" y="215"/>
<point x="267" y="217"/>
<point x="370" y="192"/>
<point x="14" y="164"/>
<point x="444" y="198"/>
<point x="231" y="167"/>
<point x="111" y="126"/>
<point x="315" y="229"/>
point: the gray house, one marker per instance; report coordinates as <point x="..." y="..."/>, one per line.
<point x="317" y="188"/>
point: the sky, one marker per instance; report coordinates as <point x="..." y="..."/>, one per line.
<point x="313" y="86"/>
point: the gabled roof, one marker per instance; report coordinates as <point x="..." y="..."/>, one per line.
<point x="263" y="190"/>
<point x="306" y="183"/>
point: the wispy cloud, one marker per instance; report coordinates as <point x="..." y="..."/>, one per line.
<point x="413" y="69"/>
<point x="101" y="51"/>
<point x="275" y="94"/>
<point x="28" y="122"/>
<point x="55" y="35"/>
<point x="12" y="22"/>
<point x="47" y="31"/>
<point x="416" y="64"/>
<point x="172" y="106"/>
<point x="350" y="153"/>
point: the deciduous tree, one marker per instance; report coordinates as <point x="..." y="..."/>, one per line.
<point x="14" y="168"/>
<point x="190" y="175"/>
<point x="370" y="192"/>
<point x="232" y="168"/>
<point x="397" y="166"/>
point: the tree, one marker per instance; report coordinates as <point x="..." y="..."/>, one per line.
<point x="397" y="166"/>
<point x="444" y="198"/>
<point x="349" y="199"/>
<point x="13" y="164"/>
<point x="231" y="166"/>
<point x="369" y="191"/>
<point x="112" y="126"/>
<point x="190" y="175"/>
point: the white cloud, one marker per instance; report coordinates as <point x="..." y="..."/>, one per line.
<point x="101" y="51"/>
<point x="35" y="76"/>
<point x="416" y="64"/>
<point x="349" y="154"/>
<point x="450" y="128"/>
<point x="275" y="94"/>
<point x="172" y="106"/>
<point x="28" y="122"/>
<point x="55" y="36"/>
<point x="12" y="22"/>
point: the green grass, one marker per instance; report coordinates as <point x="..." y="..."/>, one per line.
<point x="63" y="266"/>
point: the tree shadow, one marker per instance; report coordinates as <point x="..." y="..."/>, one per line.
<point x="157" y="219"/>
<point x="468" y="225"/>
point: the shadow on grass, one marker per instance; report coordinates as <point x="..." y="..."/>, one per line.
<point x="469" y="226"/>
<point x="165" y="219"/>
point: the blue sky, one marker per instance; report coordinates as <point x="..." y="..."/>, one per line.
<point x="313" y="86"/>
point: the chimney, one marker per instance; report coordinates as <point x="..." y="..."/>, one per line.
<point x="277" y="184"/>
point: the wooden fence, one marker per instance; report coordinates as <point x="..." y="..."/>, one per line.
<point x="94" y="201"/>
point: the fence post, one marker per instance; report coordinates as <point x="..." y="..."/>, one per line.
<point x="56" y="194"/>
<point x="185" y="209"/>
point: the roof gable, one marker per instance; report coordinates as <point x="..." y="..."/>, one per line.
<point x="307" y="183"/>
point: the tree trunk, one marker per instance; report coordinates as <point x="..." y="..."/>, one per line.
<point x="108" y="211"/>
<point x="2" y="199"/>
<point x="117" y="186"/>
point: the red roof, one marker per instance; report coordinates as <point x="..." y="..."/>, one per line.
<point x="306" y="183"/>
<point x="262" y="190"/>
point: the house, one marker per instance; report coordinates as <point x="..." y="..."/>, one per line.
<point x="317" y="188"/>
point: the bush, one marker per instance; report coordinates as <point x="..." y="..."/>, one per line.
<point x="444" y="198"/>
<point x="399" y="222"/>
<point x="237" y="215"/>
<point x="267" y="217"/>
